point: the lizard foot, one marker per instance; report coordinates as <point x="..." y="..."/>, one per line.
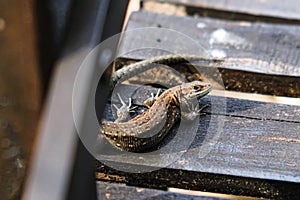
<point x="150" y="101"/>
<point x="193" y="112"/>
<point x="123" y="113"/>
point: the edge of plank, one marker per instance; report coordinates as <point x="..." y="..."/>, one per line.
<point x="257" y="97"/>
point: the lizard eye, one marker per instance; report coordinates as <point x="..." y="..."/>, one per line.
<point x="196" y="87"/>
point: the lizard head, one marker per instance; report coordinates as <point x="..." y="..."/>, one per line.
<point x="195" y="89"/>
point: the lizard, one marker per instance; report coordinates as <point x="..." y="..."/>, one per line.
<point x="136" y="135"/>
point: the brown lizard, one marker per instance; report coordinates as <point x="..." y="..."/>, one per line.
<point x="137" y="134"/>
<point x="148" y="129"/>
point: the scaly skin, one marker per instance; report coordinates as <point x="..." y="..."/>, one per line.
<point x="148" y="129"/>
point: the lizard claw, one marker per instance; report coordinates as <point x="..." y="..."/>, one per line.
<point x="123" y="112"/>
<point x="193" y="112"/>
<point x="150" y="101"/>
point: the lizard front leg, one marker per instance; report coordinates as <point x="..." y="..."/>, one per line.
<point x="123" y="113"/>
<point x="150" y="101"/>
<point x="191" y="111"/>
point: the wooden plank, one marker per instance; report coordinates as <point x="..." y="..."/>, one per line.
<point x="271" y="8"/>
<point x="167" y="179"/>
<point x="264" y="48"/>
<point x="118" y="191"/>
<point x="251" y="132"/>
<point x="239" y="145"/>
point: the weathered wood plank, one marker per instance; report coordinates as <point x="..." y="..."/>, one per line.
<point x="239" y="145"/>
<point x="117" y="191"/>
<point x="261" y="47"/>
<point x="166" y="178"/>
<point x="287" y="9"/>
<point x="237" y="137"/>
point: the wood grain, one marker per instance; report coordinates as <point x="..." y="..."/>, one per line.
<point x="262" y="47"/>
<point x="280" y="9"/>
